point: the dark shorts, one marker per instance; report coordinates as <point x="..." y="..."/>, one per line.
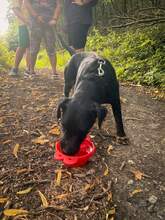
<point x="23" y="34"/>
<point x="39" y="32"/>
<point x="77" y="34"/>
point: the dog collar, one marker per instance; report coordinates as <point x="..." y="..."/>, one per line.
<point x="100" y="69"/>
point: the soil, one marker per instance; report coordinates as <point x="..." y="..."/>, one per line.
<point x="122" y="182"/>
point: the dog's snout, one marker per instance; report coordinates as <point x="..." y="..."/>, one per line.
<point x="69" y="148"/>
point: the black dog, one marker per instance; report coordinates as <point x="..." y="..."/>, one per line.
<point x="95" y="83"/>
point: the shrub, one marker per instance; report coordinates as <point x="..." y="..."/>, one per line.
<point x="137" y="55"/>
<point x="6" y="57"/>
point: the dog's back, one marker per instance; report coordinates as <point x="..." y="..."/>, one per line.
<point x="89" y="68"/>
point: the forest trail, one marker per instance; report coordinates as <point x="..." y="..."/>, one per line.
<point x="120" y="182"/>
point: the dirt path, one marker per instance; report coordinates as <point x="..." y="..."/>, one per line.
<point x="106" y="188"/>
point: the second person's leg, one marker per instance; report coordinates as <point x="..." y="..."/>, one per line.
<point x="49" y="38"/>
<point x="35" y="41"/>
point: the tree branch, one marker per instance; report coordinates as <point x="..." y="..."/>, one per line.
<point x="156" y="20"/>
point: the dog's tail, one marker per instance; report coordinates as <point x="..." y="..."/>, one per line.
<point x="65" y="45"/>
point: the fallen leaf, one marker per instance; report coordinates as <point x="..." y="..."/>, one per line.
<point x="89" y="186"/>
<point x="75" y="217"/>
<point x="62" y="196"/>
<point x="24" y="191"/>
<point x="123" y="100"/>
<point x="43" y="199"/>
<point x="39" y="109"/>
<point x="14" y="212"/>
<point x="138" y="174"/>
<point x="7" y="142"/>
<point x="58" y="178"/>
<point x="110" y="148"/>
<point x="109" y="196"/>
<point x="1" y="120"/>
<point x="15" y="150"/>
<point x="55" y="131"/>
<point x="3" y="200"/>
<point x="112" y="211"/>
<point x="40" y="140"/>
<point x="21" y="171"/>
<point x="135" y="192"/>
<point x="86" y="208"/>
<point x="106" y="170"/>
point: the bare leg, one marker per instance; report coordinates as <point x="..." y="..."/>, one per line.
<point x="28" y="59"/>
<point x="53" y="61"/>
<point x="33" y="58"/>
<point x="35" y="41"/>
<point x="18" y="56"/>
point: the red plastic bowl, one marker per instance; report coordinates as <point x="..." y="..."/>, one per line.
<point x="87" y="149"/>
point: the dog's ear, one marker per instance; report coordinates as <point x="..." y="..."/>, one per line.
<point x="62" y="107"/>
<point x="101" y="114"/>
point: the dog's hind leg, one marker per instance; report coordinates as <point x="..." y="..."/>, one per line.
<point x="116" y="107"/>
<point x="121" y="136"/>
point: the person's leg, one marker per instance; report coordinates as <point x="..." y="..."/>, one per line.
<point x="49" y="38"/>
<point x="28" y="59"/>
<point x="27" y="45"/>
<point x="77" y="34"/>
<point x="35" y="41"/>
<point x="19" y="52"/>
<point x="53" y="62"/>
<point x="18" y="56"/>
<point x="80" y="41"/>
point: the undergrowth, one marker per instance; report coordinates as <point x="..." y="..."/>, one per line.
<point x="137" y="55"/>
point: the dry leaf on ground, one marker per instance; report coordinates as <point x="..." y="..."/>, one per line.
<point x="7" y="142"/>
<point x="106" y="170"/>
<point x="58" y="177"/>
<point x="40" y="140"/>
<point x="138" y="174"/>
<point x="110" y="148"/>
<point x="123" y="100"/>
<point x="62" y="196"/>
<point x="43" y="199"/>
<point x="3" y="200"/>
<point x="55" y="131"/>
<point x="89" y="186"/>
<point x="109" y="196"/>
<point x="14" y="212"/>
<point x="20" y="171"/>
<point x="24" y="191"/>
<point x="135" y="192"/>
<point x="15" y="150"/>
<point x="110" y="213"/>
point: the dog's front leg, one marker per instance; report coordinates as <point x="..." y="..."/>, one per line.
<point x="67" y="88"/>
<point x="121" y="136"/>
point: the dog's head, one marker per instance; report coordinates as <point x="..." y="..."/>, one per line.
<point x="77" y="120"/>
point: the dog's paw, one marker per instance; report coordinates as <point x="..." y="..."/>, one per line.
<point x="122" y="140"/>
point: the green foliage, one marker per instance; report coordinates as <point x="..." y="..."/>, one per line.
<point x="6" y="57"/>
<point x="43" y="61"/>
<point x="137" y="55"/>
<point x="12" y="35"/>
